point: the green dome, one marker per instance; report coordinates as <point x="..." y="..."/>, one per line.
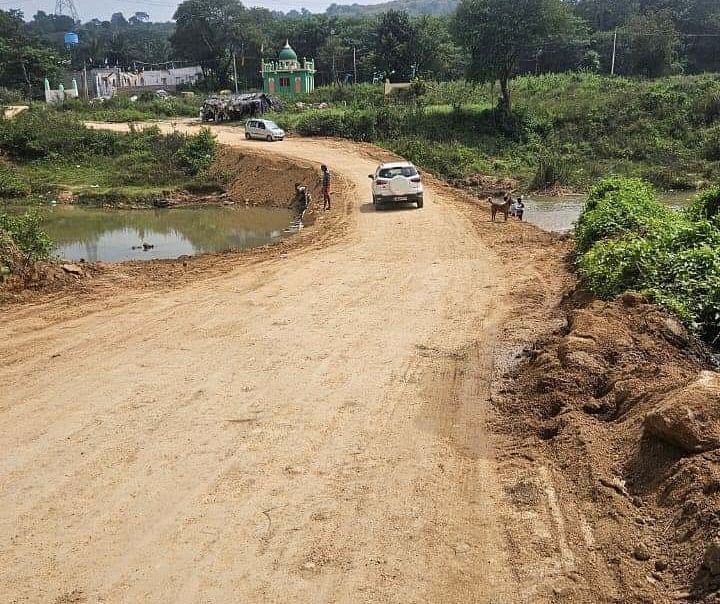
<point x="287" y="53"/>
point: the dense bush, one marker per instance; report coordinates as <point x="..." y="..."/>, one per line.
<point x="673" y="258"/>
<point x="552" y="170"/>
<point x="25" y="231"/>
<point x="39" y="133"/>
<point x="616" y="207"/>
<point x="11" y="97"/>
<point x="448" y="160"/>
<point x="197" y="153"/>
<point x="361" y="96"/>
<point x="705" y="206"/>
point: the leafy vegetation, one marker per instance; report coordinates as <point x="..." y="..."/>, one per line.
<point x="52" y="151"/>
<point x="627" y="240"/>
<point x="26" y="233"/>
<point x="565" y="129"/>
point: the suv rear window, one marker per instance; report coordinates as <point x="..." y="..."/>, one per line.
<point x="407" y="171"/>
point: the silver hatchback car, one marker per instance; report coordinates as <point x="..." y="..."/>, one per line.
<point x="263" y="129"/>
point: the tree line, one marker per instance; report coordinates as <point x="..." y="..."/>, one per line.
<point x="484" y="40"/>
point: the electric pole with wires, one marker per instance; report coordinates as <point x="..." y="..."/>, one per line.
<point x="61" y="6"/>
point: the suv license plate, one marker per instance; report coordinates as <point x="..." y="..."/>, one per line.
<point x="401" y="199"/>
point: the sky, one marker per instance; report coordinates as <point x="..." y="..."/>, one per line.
<point x="159" y="10"/>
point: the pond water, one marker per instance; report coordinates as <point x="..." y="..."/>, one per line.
<point x="111" y="235"/>
<point x="559" y="214"/>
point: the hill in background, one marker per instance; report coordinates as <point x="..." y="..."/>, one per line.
<point x="414" y="7"/>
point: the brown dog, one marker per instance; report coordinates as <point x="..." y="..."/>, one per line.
<point x="499" y="207"/>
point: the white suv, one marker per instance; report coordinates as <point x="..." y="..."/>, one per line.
<point x="397" y="182"/>
<point x="264" y="129"/>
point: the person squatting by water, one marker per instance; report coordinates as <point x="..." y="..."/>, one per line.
<point x="518" y="208"/>
<point x="326" y="186"/>
<point x="302" y="197"/>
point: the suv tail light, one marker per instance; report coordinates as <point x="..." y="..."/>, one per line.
<point x="380" y="182"/>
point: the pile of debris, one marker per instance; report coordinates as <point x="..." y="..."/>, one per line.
<point x="237" y="107"/>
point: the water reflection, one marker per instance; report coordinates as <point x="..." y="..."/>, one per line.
<point x="110" y="235"/>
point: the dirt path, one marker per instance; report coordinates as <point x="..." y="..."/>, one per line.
<point x="306" y="429"/>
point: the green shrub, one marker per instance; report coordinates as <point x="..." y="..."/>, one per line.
<point x="321" y="123"/>
<point x="707" y="106"/>
<point x="198" y="152"/>
<point x="448" y="160"/>
<point x="25" y="230"/>
<point x="44" y="133"/>
<point x="11" y="185"/>
<point x="618" y="207"/>
<point x="705" y="206"/>
<point x="12" y="97"/>
<point x="628" y="241"/>
<point x="711" y="143"/>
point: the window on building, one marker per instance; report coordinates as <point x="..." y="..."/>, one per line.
<point x="284" y="82"/>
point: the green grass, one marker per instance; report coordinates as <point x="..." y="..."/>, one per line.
<point x="121" y="109"/>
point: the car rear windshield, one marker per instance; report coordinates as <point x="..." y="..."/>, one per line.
<point x="406" y="171"/>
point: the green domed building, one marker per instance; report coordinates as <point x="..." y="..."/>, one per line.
<point x="287" y="76"/>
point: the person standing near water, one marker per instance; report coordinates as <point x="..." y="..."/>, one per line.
<point x="325" y="186"/>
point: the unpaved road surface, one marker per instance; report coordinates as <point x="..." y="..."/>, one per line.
<point x="306" y="429"/>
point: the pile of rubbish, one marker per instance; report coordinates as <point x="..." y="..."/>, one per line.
<point x="238" y="106"/>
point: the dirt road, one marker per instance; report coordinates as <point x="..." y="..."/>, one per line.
<point x="307" y="429"/>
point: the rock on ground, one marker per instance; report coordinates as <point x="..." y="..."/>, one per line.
<point x="689" y="418"/>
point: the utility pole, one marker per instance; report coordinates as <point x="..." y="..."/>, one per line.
<point x="332" y="43"/>
<point x="235" y="74"/>
<point x="354" y="65"/>
<point x="614" y="55"/>
<point x="85" y="81"/>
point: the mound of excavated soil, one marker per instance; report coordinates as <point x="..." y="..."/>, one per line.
<point x="626" y="406"/>
<point x="265" y="180"/>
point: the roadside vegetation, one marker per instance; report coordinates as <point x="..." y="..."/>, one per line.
<point x="22" y="242"/>
<point x="566" y="130"/>
<point x="627" y="240"/>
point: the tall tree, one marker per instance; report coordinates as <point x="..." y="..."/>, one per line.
<point x="497" y="33"/>
<point x="395" y="45"/>
<point x="654" y="45"/>
<point x="24" y="61"/>
<point x="204" y="33"/>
